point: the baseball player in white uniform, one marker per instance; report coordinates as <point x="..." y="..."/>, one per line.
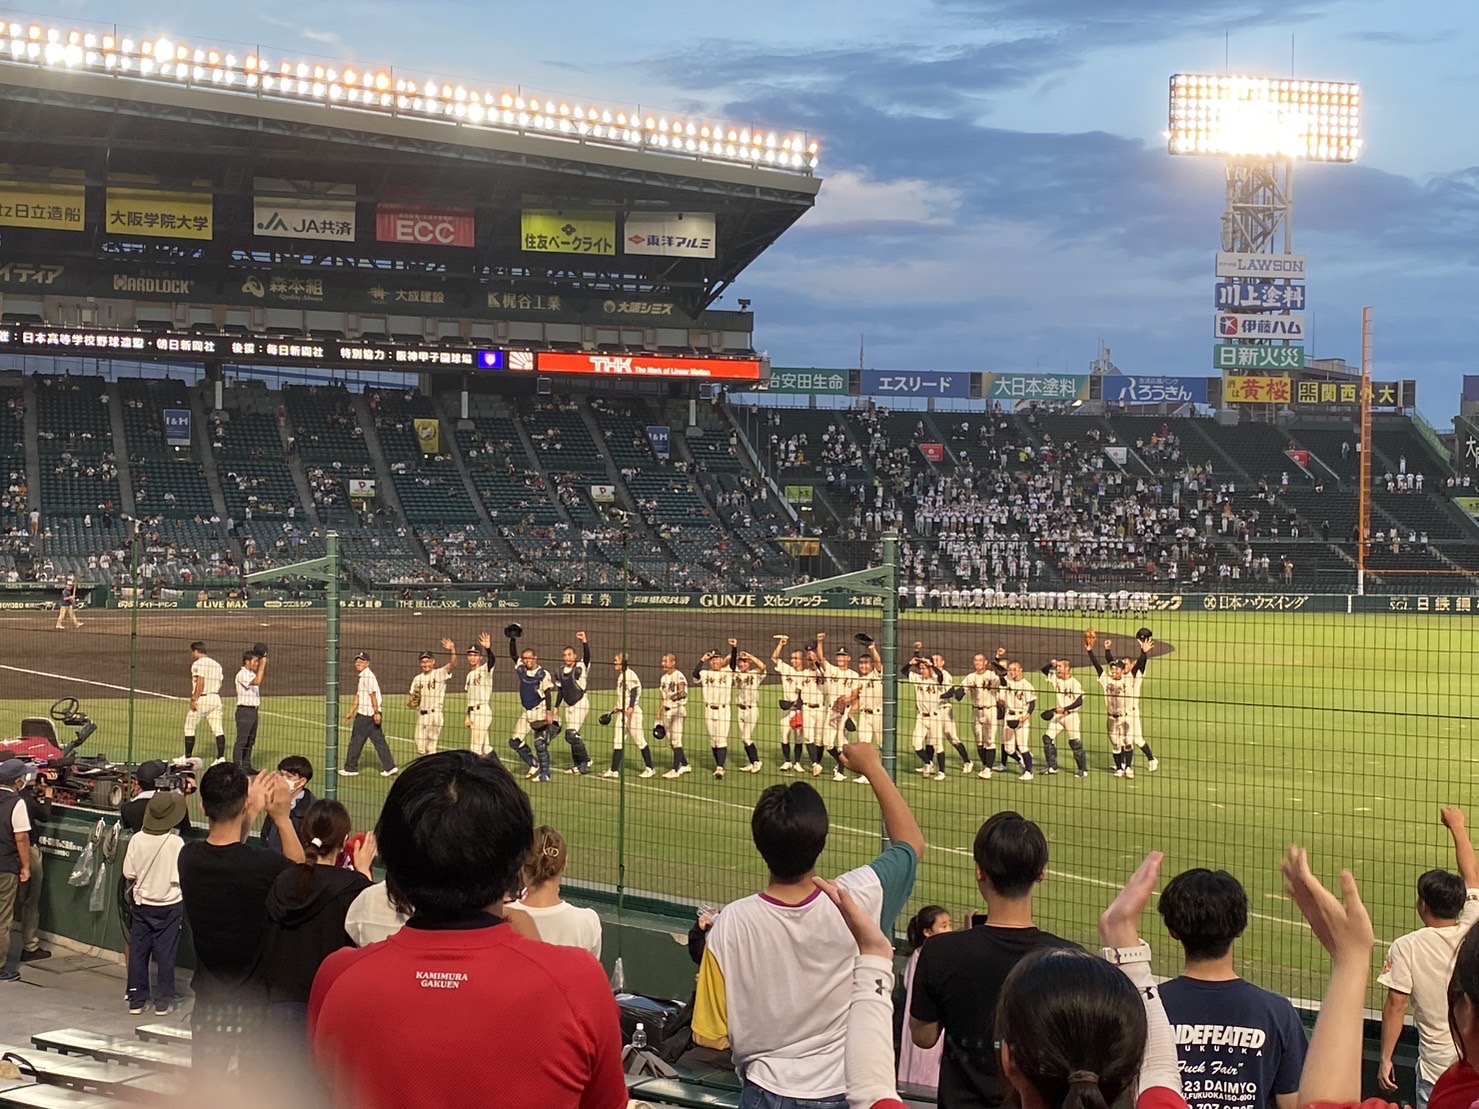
<point x="537" y="693"/>
<point x="479" y="687"/>
<point x="672" y="688"/>
<point x="715" y="676"/>
<point x="869" y="711"/>
<point x="428" y="696"/>
<point x="841" y="683"/>
<point x="920" y="673"/>
<point x="572" y="676"/>
<point x="747" y="679"/>
<point x="1064" y="717"/>
<point x="983" y="686"/>
<point x="791" y="722"/>
<point x="1117" y="697"/>
<point x="949" y="694"/>
<point x="206" y="677"/>
<point x="1019" y="698"/>
<point x="248" y="705"/>
<point x="626" y="719"/>
<point x="1135" y="672"/>
<point x="807" y="678"/>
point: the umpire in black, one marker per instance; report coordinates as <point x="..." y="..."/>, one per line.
<point x="248" y="704"/>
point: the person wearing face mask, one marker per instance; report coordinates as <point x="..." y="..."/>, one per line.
<point x="296" y="773"/>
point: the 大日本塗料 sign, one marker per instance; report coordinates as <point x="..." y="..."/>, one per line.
<point x="1290" y="267"/>
<point x="1029" y="387"/>
<point x="1226" y="356"/>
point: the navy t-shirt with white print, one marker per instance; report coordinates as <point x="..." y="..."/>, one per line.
<point x="1239" y="1046"/>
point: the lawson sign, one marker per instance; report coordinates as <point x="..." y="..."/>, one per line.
<point x="1155" y="390"/>
<point x="1231" y="325"/>
<point x="1284" y="267"/>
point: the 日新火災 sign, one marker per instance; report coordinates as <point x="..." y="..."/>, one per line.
<point x="1235" y="325"/>
<point x="1227" y="356"/>
<point x="1291" y="267"/>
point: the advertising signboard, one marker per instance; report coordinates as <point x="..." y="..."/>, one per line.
<point x="1227" y="356"/>
<point x="561" y="232"/>
<point x="177" y="427"/>
<point x="648" y="365"/>
<point x="1155" y="390"/>
<point x="417" y="225"/>
<point x="1259" y="296"/>
<point x="157" y="214"/>
<point x="670" y="234"/>
<point x="1291" y="267"/>
<point x="303" y="210"/>
<point x="1233" y="325"/>
<point x="1029" y="387"/>
<point x="46" y="205"/>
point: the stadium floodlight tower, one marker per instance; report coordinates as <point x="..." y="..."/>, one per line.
<point x="1261" y="126"/>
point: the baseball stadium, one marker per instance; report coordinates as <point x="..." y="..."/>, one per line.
<point x="337" y="373"/>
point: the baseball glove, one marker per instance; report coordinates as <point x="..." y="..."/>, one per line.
<point x="513" y="631"/>
<point x="414" y="700"/>
<point x="259" y="649"/>
<point x="840" y="705"/>
<point x="1090" y="638"/>
<point x="1047" y="714"/>
<point x="851" y="725"/>
<point x="604" y="718"/>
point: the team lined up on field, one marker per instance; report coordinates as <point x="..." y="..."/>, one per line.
<point x="824" y="702"/>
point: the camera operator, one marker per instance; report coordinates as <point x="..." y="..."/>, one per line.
<point x="146" y="780"/>
<point x="37" y="796"/>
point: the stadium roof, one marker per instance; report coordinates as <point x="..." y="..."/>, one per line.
<point x="104" y="107"/>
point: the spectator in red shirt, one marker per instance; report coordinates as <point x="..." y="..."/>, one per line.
<point x="390" y="1024"/>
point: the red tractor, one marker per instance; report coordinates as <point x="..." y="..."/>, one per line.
<point x="85" y="782"/>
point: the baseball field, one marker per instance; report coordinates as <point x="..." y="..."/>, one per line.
<point x="1342" y="733"/>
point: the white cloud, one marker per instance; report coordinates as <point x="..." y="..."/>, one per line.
<point x="852" y="202"/>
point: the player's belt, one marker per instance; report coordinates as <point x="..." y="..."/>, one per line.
<point x="744" y="706"/>
<point x="870" y="710"/>
<point x="1116" y="715"/>
<point x="811" y="705"/>
<point x="716" y="708"/>
<point x="470" y="708"/>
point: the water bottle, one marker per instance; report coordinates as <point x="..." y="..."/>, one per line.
<point x="639" y="1038"/>
<point x="618" y="977"/>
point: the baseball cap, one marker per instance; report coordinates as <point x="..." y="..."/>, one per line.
<point x="362" y="656"/>
<point x="427" y="655"/>
<point x="150" y="772"/>
<point x="164" y="812"/>
<point x="13" y="770"/>
<point x="475" y="650"/>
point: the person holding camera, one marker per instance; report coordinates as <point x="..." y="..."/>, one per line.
<point x="15" y="857"/>
<point x="37" y="796"/>
<point x="147" y="779"/>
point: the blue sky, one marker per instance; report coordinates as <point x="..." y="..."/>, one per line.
<point x="997" y="192"/>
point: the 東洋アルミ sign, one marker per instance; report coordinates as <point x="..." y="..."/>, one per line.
<point x="1246" y="356"/>
<point x="1237" y="325"/>
<point x="669" y="234"/>
<point x="1291" y="267"/>
<point x="648" y="365"/>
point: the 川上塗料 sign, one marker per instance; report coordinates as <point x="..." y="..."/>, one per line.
<point x="1259" y="296"/>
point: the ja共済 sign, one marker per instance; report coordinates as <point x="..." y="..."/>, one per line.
<point x="1228" y="356"/>
<point x="1233" y="325"/>
<point x="915" y="383"/>
<point x="1291" y="267"/>
<point x="303" y="210"/>
<point x="1052" y="388"/>
<point x="1259" y="296"/>
<point x="1155" y="390"/>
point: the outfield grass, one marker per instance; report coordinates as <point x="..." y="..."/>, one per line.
<point x="1342" y="733"/>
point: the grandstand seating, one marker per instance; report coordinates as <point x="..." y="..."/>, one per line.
<point x="78" y="469"/>
<point x="1325" y="444"/>
<point x="255" y="483"/>
<point x="1257" y="450"/>
<point x="512" y="492"/>
<point x="166" y="480"/>
<point x="429" y="486"/>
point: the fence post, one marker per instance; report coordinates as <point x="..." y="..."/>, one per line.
<point x="331" y="668"/>
<point x="889" y="652"/>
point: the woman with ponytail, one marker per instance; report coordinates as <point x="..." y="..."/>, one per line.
<point x="305" y="913"/>
<point x="920" y="1066"/>
<point x="558" y="922"/>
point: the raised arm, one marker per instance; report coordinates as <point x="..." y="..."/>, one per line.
<point x="1145" y="646"/>
<point x="898" y="821"/>
<point x="780" y="645"/>
<point x="451" y="648"/>
<point x="1468" y="866"/>
<point x="585" y="648"/>
<point x="734" y="654"/>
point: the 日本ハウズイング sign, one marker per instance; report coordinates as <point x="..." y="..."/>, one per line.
<point x="915" y="383"/>
<point x="1290" y="267"/>
<point x="1259" y="296"/>
<point x="561" y="232"/>
<point x="1155" y="390"/>
<point x="670" y="234"/>
<point x="1029" y="387"/>
<point x="303" y="210"/>
<point x="1227" y="356"/>
<point x="1235" y="325"/>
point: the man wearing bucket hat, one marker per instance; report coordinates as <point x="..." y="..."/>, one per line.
<point x="15" y="857"/>
<point x="152" y="865"/>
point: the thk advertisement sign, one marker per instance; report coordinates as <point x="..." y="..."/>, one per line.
<point x="1292" y="267"/>
<point x="1259" y="296"/>
<point x="1232" y="325"/>
<point x="915" y="383"/>
<point x="303" y="210"/>
<point x="1155" y="390"/>
<point x="421" y="226"/>
<point x="649" y="365"/>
